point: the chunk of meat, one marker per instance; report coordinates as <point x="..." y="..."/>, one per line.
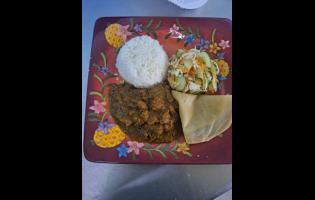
<point x="158" y="129"/>
<point x="168" y="127"/>
<point x="130" y="104"/>
<point x="158" y="90"/>
<point x="142" y="105"/>
<point x="169" y="96"/>
<point x="140" y="119"/>
<point x="142" y="93"/>
<point x="166" y="117"/>
<point x="153" y="118"/>
<point x="157" y="103"/>
<point x="126" y="121"/>
<point x="132" y="112"/>
<point x="135" y="118"/>
<point x="171" y="109"/>
<point x="146" y="114"/>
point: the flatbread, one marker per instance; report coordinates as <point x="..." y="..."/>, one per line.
<point x="203" y="117"/>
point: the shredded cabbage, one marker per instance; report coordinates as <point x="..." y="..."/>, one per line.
<point x="192" y="71"/>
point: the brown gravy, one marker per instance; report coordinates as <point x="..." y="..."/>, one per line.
<point x="146" y="115"/>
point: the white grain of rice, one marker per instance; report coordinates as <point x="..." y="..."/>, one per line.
<point x="142" y="62"/>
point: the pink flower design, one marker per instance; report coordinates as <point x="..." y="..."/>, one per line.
<point x="174" y="28"/>
<point x="134" y="147"/>
<point x="175" y="33"/>
<point x="123" y="31"/>
<point x="224" y="44"/>
<point x="98" y="107"/>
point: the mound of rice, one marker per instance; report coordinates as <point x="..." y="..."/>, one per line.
<point x="142" y="62"/>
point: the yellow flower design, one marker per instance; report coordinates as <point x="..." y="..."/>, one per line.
<point x="114" y="137"/>
<point x="183" y="148"/>
<point x="223" y="67"/>
<point x="112" y="35"/>
<point x="213" y="48"/>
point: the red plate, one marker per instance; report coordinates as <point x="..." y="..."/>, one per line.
<point x="112" y="147"/>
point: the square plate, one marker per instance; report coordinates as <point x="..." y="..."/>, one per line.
<point x="102" y="72"/>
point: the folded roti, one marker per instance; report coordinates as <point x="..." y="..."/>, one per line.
<point x="203" y="117"/>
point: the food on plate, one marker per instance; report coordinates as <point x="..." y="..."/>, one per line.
<point x="142" y="62"/>
<point x="203" y="117"/>
<point x="193" y="71"/>
<point x="146" y="114"/>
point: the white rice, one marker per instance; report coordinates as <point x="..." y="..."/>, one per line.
<point x="142" y="62"/>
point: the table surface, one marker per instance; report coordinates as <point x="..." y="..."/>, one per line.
<point x="119" y="181"/>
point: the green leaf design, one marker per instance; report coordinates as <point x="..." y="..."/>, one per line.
<point x="149" y="150"/>
<point x="103" y="116"/>
<point x="131" y="24"/>
<point x="98" y="78"/>
<point x="188" y="154"/>
<point x="135" y="34"/>
<point x="149" y="153"/>
<point x="93" y="119"/>
<point x="133" y="155"/>
<point x="104" y="58"/>
<point x="185" y="44"/>
<point x="158" y="25"/>
<point x="149" y="24"/>
<point x="117" y="50"/>
<point x="95" y="65"/>
<point x="110" y="75"/>
<point x="177" y="22"/>
<point x="181" y="28"/>
<point x="166" y="147"/>
<point x="167" y="35"/>
<point x="197" y="32"/>
<point x="104" y="87"/>
<point x="92" y="114"/>
<point x="96" y="93"/>
<point x="212" y="35"/>
<point x="174" y="154"/>
<point x="175" y="146"/>
<point x="189" y="30"/>
<point x="172" y="151"/>
<point x="161" y="152"/>
<point x="153" y="33"/>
